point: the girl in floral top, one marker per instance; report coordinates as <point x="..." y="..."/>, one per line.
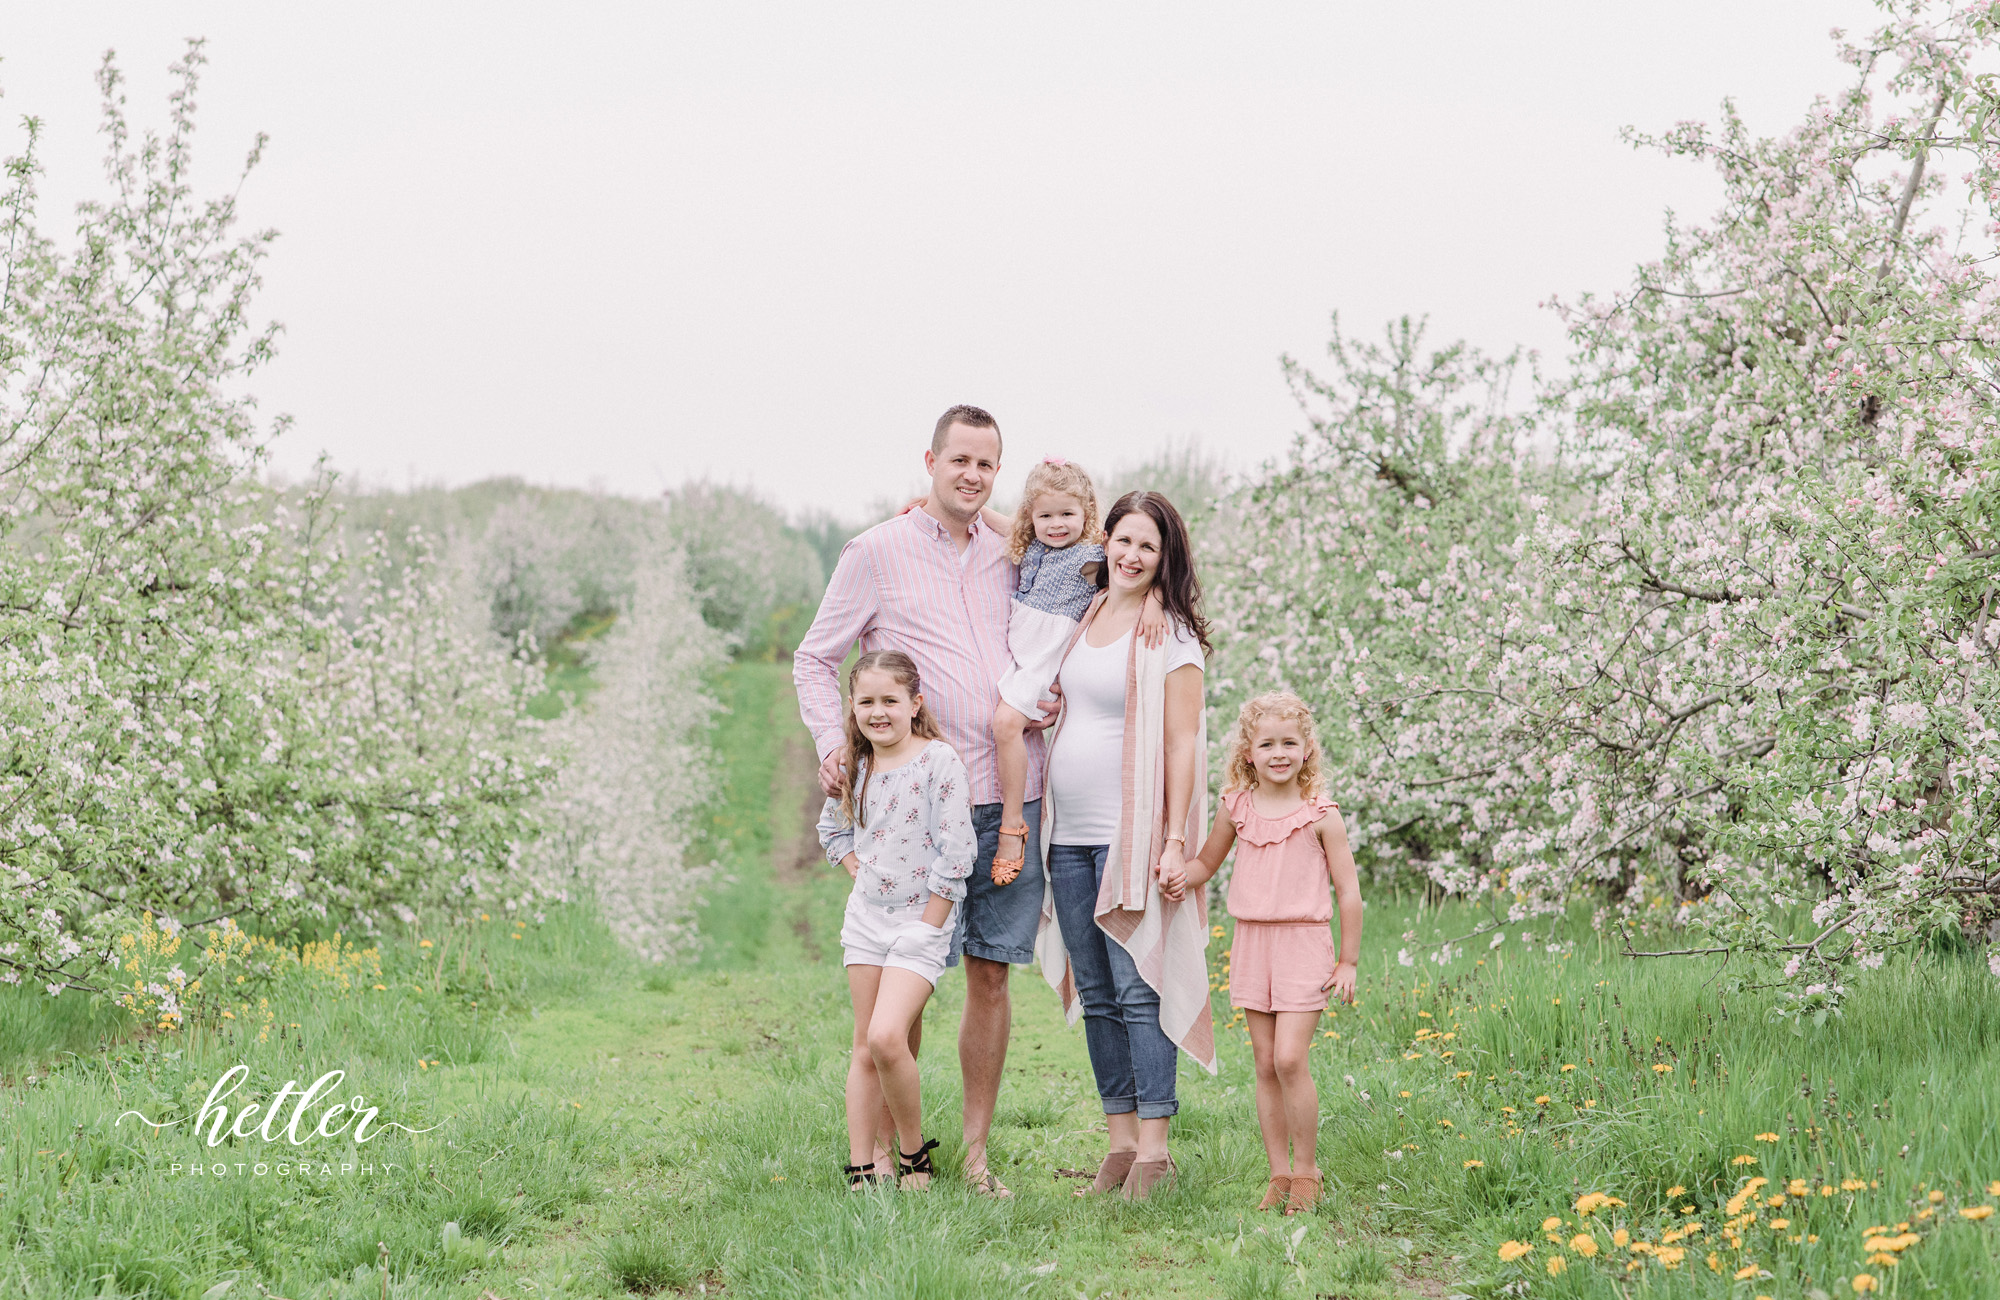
<point x="903" y="829"/>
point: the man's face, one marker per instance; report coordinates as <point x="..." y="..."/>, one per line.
<point x="962" y="474"/>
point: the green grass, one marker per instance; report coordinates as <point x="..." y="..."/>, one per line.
<point x="608" y="1129"/>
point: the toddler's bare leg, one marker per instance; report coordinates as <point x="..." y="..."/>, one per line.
<point x="1011" y="743"/>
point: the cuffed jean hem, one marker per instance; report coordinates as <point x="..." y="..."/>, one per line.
<point x="1146" y="1109"/>
<point x="1012" y="956"/>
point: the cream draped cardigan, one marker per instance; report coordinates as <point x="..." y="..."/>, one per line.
<point x="1168" y="940"/>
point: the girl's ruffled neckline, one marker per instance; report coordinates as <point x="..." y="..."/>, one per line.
<point x="1253" y="827"/>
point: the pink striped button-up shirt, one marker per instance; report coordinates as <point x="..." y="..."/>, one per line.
<point x="904" y="585"/>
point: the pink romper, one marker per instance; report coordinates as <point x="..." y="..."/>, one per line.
<point x="1282" y="900"/>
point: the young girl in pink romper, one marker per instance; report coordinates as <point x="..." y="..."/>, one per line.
<point x="1291" y="858"/>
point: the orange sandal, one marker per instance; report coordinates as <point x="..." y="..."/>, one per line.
<point x="1005" y="869"/>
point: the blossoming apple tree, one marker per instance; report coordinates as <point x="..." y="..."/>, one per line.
<point x="1729" y="657"/>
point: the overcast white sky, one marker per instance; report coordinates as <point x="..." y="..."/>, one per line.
<point x="626" y="245"/>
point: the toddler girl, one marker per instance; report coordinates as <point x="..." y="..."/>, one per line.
<point x="1293" y="845"/>
<point x="1059" y="546"/>
<point x="903" y="829"/>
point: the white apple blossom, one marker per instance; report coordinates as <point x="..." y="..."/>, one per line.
<point x="1765" y="502"/>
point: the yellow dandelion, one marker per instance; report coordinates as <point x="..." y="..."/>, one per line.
<point x="1567" y="1068"/>
<point x="1854" y="1184"/>
<point x="1767" y="1137"/>
<point x="1621" y="1238"/>
<point x="1993" y="1188"/>
<point x="1475" y="1164"/>
<point x="1404" y="1093"/>
<point x="1779" y="1225"/>
<point x="1936" y="1198"/>
<point x="424" y="943"/>
<point x="1556" y="1265"/>
<point x="1444" y="1123"/>
<point x="1663" y="1068"/>
<point x="1714" y="1262"/>
<point x="1745" y="1273"/>
<point x="1551" y="1223"/>
<point x="1798" y="1187"/>
<point x="1542" y="1100"/>
<point x="1590" y="1103"/>
<point x="1744" y="1160"/>
<point x="1513" y="1250"/>
<point x="1584" y="1244"/>
<point x="1675" y="1190"/>
<point x="1976" y="1212"/>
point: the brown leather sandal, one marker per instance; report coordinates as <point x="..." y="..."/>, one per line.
<point x="1302" y="1195"/>
<point x="1110" y="1174"/>
<point x="1006" y="869"/>
<point x="1147" y="1174"/>
<point x="1274" y="1195"/>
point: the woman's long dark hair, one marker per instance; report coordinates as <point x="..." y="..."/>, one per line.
<point x="1174" y="578"/>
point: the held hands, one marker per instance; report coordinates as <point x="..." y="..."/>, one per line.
<point x="1172" y="871"/>
<point x="1342" y="983"/>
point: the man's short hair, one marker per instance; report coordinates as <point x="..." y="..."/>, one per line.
<point x="962" y="414"/>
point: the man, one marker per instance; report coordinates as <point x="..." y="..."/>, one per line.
<point x="935" y="583"/>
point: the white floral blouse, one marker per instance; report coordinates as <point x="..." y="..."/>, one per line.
<point x="915" y="835"/>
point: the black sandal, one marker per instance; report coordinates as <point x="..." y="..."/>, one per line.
<point x="860" y="1177"/>
<point x="916" y="1165"/>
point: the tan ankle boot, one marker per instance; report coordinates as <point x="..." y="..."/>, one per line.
<point x="1110" y="1174"/>
<point x="1146" y="1174"/>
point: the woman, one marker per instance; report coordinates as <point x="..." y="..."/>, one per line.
<point x="1125" y="790"/>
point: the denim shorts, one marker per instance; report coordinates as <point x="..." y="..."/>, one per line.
<point x="999" y="922"/>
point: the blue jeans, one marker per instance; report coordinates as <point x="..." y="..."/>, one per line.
<point x="1134" y="1062"/>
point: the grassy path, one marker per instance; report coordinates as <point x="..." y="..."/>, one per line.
<point x="736" y="1067"/>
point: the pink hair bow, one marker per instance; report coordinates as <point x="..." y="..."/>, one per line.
<point x="1054" y="460"/>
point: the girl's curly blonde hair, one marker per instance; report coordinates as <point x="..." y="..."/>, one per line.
<point x="1242" y="774"/>
<point x="1053" y="475"/>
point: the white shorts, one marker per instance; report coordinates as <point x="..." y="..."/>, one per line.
<point x="1036" y="639"/>
<point x="899" y="937"/>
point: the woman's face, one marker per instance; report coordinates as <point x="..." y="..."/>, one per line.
<point x="1133" y="552"/>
